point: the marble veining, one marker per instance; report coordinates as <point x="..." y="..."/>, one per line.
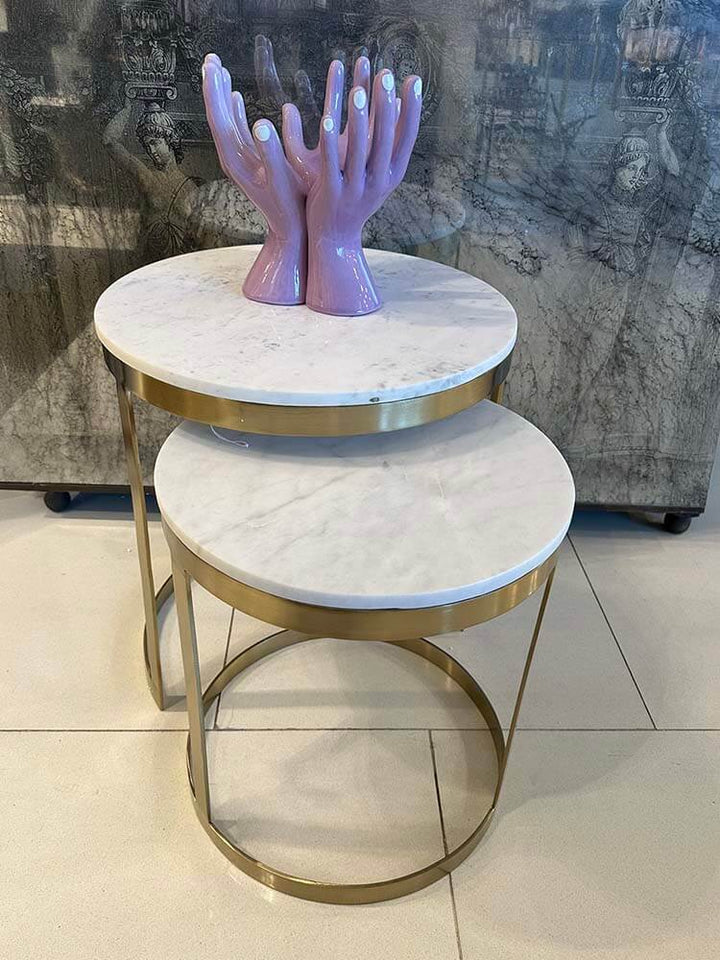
<point x="414" y="518"/>
<point x="186" y="321"/>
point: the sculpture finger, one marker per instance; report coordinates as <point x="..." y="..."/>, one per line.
<point x="361" y="78"/>
<point x="227" y="88"/>
<point x="243" y="138"/>
<point x="240" y="120"/>
<point x="329" y="152"/>
<point x="373" y="104"/>
<point x="214" y="95"/>
<point x="225" y="135"/>
<point x="361" y="74"/>
<point x="299" y="157"/>
<point x="357" y="137"/>
<point x="333" y="92"/>
<point x="213" y="91"/>
<point x="232" y="162"/>
<point x="407" y="126"/>
<point x="384" y="125"/>
<point x="269" y="148"/>
<point x="232" y="107"/>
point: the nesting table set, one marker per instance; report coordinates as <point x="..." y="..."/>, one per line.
<point x="348" y="478"/>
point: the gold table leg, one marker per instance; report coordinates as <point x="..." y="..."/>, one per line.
<point x="198" y="704"/>
<point x="523" y="683"/>
<point x="193" y="692"/>
<point x="497" y="393"/>
<point x="137" y="491"/>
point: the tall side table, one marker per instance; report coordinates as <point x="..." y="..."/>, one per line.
<point x="180" y="334"/>
<point x="393" y="537"/>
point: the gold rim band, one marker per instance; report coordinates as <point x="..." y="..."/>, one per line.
<point x="351" y="893"/>
<point x="358" y="623"/>
<point x="308" y="421"/>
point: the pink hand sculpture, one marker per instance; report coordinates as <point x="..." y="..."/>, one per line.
<point x="257" y="164"/>
<point x="315" y="247"/>
<point x="343" y="196"/>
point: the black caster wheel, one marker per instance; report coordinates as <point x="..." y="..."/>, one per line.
<point x="57" y="500"/>
<point x="676" y="522"/>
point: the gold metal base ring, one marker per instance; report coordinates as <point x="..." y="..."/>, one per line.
<point x="351" y="893"/>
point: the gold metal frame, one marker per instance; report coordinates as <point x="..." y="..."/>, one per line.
<point x="267" y="419"/>
<point x="151" y="637"/>
<point x="308" y="421"/>
<point x="346" y="623"/>
<point x="401" y="627"/>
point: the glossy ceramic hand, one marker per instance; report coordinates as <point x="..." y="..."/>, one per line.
<point x="307" y="163"/>
<point x="257" y="164"/>
<point x="341" y="198"/>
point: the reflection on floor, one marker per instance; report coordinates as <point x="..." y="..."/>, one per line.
<point x="354" y="761"/>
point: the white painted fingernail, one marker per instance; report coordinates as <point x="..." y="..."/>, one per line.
<point x="388" y="81"/>
<point x="417" y="87"/>
<point x="262" y="132"/>
<point x="328" y="124"/>
<point x="360" y="99"/>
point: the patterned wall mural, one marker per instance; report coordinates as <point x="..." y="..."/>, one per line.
<point x="568" y="155"/>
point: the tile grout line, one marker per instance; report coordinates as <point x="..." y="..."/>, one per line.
<point x="612" y="632"/>
<point x="360" y="729"/>
<point x="227" y="650"/>
<point x="445" y="844"/>
<point x="437" y="792"/>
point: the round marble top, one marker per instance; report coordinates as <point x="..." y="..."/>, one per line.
<point x="416" y="518"/>
<point x="185" y="321"/>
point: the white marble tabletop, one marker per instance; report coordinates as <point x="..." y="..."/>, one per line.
<point x="185" y="321"/>
<point x="415" y="518"/>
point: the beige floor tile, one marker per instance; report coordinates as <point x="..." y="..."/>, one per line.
<point x="606" y="846"/>
<point x="71" y="610"/>
<point x="661" y="595"/>
<point x="578" y="679"/>
<point x="354" y="806"/>
<point x="102" y="858"/>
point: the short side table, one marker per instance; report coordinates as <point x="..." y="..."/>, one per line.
<point x="180" y="334"/>
<point x="391" y="537"/>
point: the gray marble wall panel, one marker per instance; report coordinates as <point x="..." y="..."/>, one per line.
<point x="568" y="155"/>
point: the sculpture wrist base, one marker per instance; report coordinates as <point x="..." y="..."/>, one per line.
<point x="279" y="274"/>
<point x="340" y="281"/>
